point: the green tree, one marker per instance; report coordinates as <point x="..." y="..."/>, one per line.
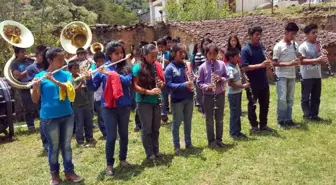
<point x="187" y="10"/>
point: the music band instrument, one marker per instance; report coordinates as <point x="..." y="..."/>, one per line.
<point x="269" y="57"/>
<point x="43" y="77"/>
<point x="188" y="74"/>
<point x="97" y="47"/>
<point x="323" y="52"/>
<point x="214" y="83"/>
<point x="246" y="79"/>
<point x="17" y="35"/>
<point x="298" y="55"/>
<point x="157" y="86"/>
<point x="81" y="76"/>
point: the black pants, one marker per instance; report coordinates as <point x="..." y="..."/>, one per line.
<point x="310" y="96"/>
<point x="263" y="96"/>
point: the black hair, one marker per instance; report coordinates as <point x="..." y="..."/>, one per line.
<point x="175" y="48"/>
<point x="211" y="47"/>
<point x="203" y="42"/>
<point x="176" y="39"/>
<point x="231" y="52"/>
<point x="146" y="74"/>
<point x="291" y="27"/>
<point x="51" y="53"/>
<point x="162" y="42"/>
<point x="123" y="66"/>
<point x="80" y="51"/>
<point x="167" y="38"/>
<point x="73" y="63"/>
<point x="309" y="28"/>
<point x="254" y="29"/>
<point x="40" y="49"/>
<point x="143" y="43"/>
<point x="17" y="49"/>
<point x="98" y="55"/>
<point x="238" y="46"/>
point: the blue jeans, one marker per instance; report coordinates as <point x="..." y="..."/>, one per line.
<point x="182" y="111"/>
<point x="28" y="107"/>
<point x="99" y="111"/>
<point x="84" y="122"/>
<point x="165" y="103"/>
<point x="285" y="89"/>
<point x="235" y="113"/>
<point x="116" y="119"/>
<point x="59" y="133"/>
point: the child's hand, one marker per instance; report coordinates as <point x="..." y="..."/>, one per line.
<point x="160" y="84"/>
<point x="246" y="85"/>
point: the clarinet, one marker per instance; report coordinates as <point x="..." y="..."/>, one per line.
<point x="250" y="92"/>
<point x="323" y="52"/>
<point x="214" y="83"/>
<point x="267" y="56"/>
<point x="157" y="86"/>
<point x="189" y="75"/>
<point x="298" y="55"/>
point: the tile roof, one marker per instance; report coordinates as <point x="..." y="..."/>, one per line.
<point x="220" y="30"/>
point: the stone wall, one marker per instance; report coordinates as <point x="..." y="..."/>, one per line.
<point x="327" y="23"/>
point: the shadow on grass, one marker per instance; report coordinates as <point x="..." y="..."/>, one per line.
<point x="322" y="122"/>
<point x="124" y="174"/>
<point x="64" y="182"/>
<point x="195" y="152"/>
<point x="223" y="149"/>
<point x="273" y="133"/>
<point x="6" y="139"/>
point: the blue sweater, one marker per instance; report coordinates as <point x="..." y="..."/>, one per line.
<point x="100" y="79"/>
<point x="176" y="82"/>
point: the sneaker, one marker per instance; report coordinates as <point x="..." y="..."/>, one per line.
<point x="137" y="129"/>
<point x="239" y="136"/>
<point x="73" y="177"/>
<point x="91" y="141"/>
<point x="291" y="123"/>
<point x="307" y="117"/>
<point x="266" y="129"/>
<point x="282" y="125"/>
<point x="109" y="171"/>
<point x="316" y="118"/>
<point x="213" y="144"/>
<point x="189" y="147"/>
<point x="158" y="155"/>
<point x="125" y="164"/>
<point x="31" y="130"/>
<point x="220" y="144"/>
<point x="178" y="151"/>
<point x="151" y="158"/>
<point x="203" y="115"/>
<point x="55" y="178"/>
<point x="254" y="130"/>
<point x="80" y="143"/>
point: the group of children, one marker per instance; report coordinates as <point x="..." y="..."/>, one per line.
<point x="161" y="70"/>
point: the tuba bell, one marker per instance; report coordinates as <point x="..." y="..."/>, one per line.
<point x="96" y="47"/>
<point x="75" y="35"/>
<point x="16" y="35"/>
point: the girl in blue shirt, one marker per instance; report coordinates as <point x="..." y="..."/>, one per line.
<point x="115" y="119"/>
<point x="56" y="115"/>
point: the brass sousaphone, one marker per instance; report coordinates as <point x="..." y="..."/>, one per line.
<point x="76" y="35"/>
<point x="96" y="47"/>
<point x="16" y="35"/>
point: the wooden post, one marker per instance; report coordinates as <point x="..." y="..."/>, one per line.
<point x="272" y="2"/>
<point x="242" y="2"/>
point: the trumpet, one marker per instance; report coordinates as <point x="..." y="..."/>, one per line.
<point x="324" y="52"/>
<point x="103" y="66"/>
<point x="214" y="83"/>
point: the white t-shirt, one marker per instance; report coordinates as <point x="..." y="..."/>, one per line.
<point x="285" y="53"/>
<point x="310" y="51"/>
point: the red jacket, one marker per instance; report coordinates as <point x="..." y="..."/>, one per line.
<point x="113" y="89"/>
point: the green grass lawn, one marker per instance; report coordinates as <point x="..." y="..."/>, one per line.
<point x="299" y="156"/>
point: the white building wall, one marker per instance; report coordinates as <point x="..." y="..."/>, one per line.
<point x="249" y="4"/>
